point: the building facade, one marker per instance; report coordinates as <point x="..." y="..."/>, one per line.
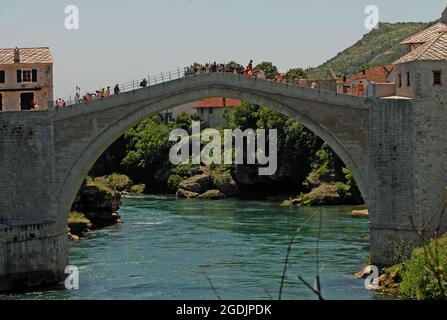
<point x="212" y="111"/>
<point x="26" y="79"/>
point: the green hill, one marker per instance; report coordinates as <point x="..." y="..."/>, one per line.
<point x="378" y="47"/>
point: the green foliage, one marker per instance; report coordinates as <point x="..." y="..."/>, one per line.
<point x="180" y="173"/>
<point x="244" y="117"/>
<point x="317" y="199"/>
<point x="296" y="74"/>
<point x="138" y="189"/>
<point x="378" y="47"/>
<point x="102" y="183"/>
<point x="212" y="195"/>
<point x="343" y="190"/>
<point x="174" y="181"/>
<point x="233" y="65"/>
<point x="147" y="143"/>
<point x="424" y="275"/>
<point x="184" y="120"/>
<point x="186" y="170"/>
<point x="270" y="70"/>
<point x="119" y="182"/>
<point x="77" y="217"/>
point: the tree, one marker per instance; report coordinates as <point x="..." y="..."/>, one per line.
<point x="295" y="74"/>
<point x="270" y="70"/>
<point x="233" y="65"/>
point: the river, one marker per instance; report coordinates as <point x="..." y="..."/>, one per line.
<point x="168" y="248"/>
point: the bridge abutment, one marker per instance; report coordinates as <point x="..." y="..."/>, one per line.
<point x="408" y="176"/>
<point x="32" y="255"/>
<point x="33" y="237"/>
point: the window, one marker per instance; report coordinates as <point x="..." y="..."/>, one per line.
<point x="1" y="102"/>
<point x="399" y="80"/>
<point x="2" y="76"/>
<point x="202" y="111"/>
<point x="408" y="80"/>
<point x="211" y="110"/>
<point x="27" y="75"/>
<point x="437" y="78"/>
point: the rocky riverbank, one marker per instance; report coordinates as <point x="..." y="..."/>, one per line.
<point x="209" y="185"/>
<point x="220" y="183"/>
<point x="97" y="203"/>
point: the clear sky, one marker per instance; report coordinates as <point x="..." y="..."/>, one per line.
<point x="121" y="40"/>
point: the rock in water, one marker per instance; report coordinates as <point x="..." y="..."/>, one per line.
<point x="184" y="194"/>
<point x="360" y="213"/>
<point x="197" y="184"/>
<point x="225" y="183"/>
<point x="212" y="195"/>
<point x="99" y="204"/>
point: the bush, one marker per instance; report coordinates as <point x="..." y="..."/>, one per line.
<point x="119" y="182"/>
<point x="424" y="275"/>
<point x="77" y="217"/>
<point x="174" y="181"/>
<point x="138" y="189"/>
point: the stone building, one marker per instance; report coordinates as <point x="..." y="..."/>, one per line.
<point x="26" y="79"/>
<point x="424" y="68"/>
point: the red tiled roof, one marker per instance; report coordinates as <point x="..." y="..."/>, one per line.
<point x="378" y="74"/>
<point x="217" y="103"/>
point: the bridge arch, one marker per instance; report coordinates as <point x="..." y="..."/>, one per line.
<point x="111" y="118"/>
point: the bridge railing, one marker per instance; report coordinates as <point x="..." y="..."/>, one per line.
<point x="128" y="86"/>
<point x="150" y="80"/>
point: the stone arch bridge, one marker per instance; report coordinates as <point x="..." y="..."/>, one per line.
<point x="393" y="150"/>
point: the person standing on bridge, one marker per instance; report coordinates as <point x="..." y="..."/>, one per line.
<point x="143" y="83"/>
<point x="116" y="90"/>
<point x="361" y="89"/>
<point x="250" y="69"/>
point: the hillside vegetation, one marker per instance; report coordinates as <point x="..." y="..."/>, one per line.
<point x="378" y="47"/>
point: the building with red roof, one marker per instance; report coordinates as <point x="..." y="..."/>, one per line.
<point x="212" y="110"/>
<point x="360" y="84"/>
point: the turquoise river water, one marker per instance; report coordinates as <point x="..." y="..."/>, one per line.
<point x="167" y="248"/>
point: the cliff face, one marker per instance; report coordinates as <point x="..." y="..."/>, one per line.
<point x="96" y="206"/>
<point x="99" y="205"/>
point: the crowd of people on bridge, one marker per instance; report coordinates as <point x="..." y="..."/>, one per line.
<point x="228" y="68"/>
<point x="89" y="96"/>
<point x="197" y="68"/>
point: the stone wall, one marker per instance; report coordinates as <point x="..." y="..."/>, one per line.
<point x="32" y="255"/>
<point x="33" y="238"/>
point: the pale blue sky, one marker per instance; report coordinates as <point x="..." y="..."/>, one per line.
<point x="121" y="40"/>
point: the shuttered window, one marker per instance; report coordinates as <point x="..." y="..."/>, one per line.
<point x="19" y="76"/>
<point x="34" y="75"/>
<point x="2" y="76"/>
